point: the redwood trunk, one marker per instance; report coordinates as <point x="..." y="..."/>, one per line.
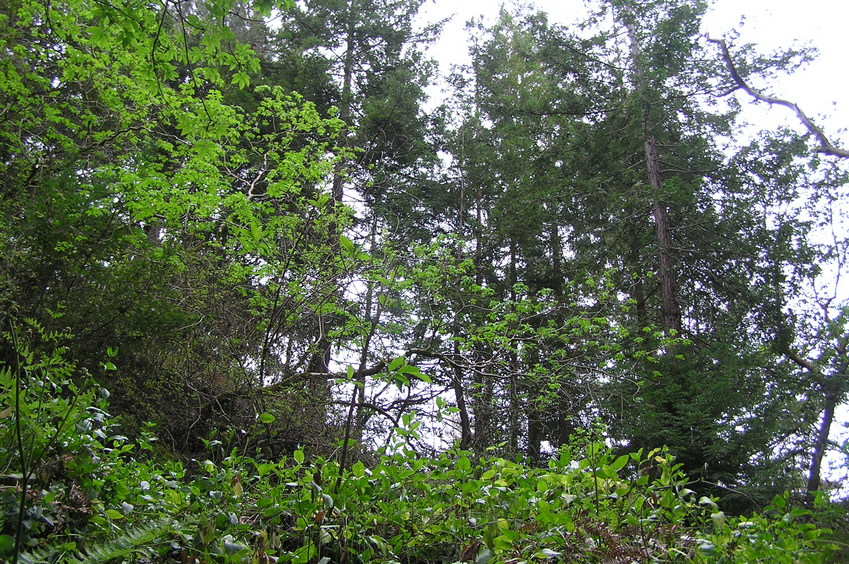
<point x="670" y="310"/>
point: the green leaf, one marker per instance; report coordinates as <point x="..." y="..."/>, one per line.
<point x="396" y="363"/>
<point x="298" y="455"/>
<point x="232" y="547"/>
<point x="99" y="37"/>
<point x="114" y="514"/>
<point x="194" y="21"/>
<point x="620" y="462"/>
<point x="241" y="80"/>
<point x="416" y="372"/>
<point x="401" y="380"/>
<point x="266" y="418"/>
<point x="263" y="7"/>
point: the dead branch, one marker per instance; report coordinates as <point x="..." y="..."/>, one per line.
<point x="826" y="146"/>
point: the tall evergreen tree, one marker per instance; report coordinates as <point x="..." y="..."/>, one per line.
<point x="599" y="159"/>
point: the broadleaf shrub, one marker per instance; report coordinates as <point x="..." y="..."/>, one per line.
<point x="108" y="500"/>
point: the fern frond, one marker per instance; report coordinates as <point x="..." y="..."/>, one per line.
<point x="120" y="547"/>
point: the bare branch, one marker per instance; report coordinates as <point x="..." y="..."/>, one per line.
<point x="800" y="361"/>
<point x="826" y="146"/>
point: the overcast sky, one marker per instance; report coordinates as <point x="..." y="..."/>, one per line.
<point x="822" y="89"/>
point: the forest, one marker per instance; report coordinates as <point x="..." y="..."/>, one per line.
<point x="265" y="298"/>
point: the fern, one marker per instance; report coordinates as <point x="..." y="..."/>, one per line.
<point x="113" y="549"/>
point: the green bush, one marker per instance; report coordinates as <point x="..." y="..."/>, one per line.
<point x="75" y="490"/>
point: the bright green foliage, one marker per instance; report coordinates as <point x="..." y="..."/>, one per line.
<point x="137" y="197"/>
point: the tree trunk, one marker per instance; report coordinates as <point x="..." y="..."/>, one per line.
<point x="669" y="307"/>
<point x="462" y="407"/>
<point x="556" y="260"/>
<point x="821" y="443"/>
<point x="320" y="362"/>
<point x="834" y="390"/>
<point x="639" y="287"/>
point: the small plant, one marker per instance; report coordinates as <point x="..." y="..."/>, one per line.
<point x="68" y="479"/>
<point x="43" y="406"/>
<point x="780" y="533"/>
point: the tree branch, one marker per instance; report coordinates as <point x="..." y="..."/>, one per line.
<point x="826" y="146"/>
<point x="800" y="361"/>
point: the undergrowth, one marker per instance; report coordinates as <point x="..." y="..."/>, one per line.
<point x="72" y="489"/>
